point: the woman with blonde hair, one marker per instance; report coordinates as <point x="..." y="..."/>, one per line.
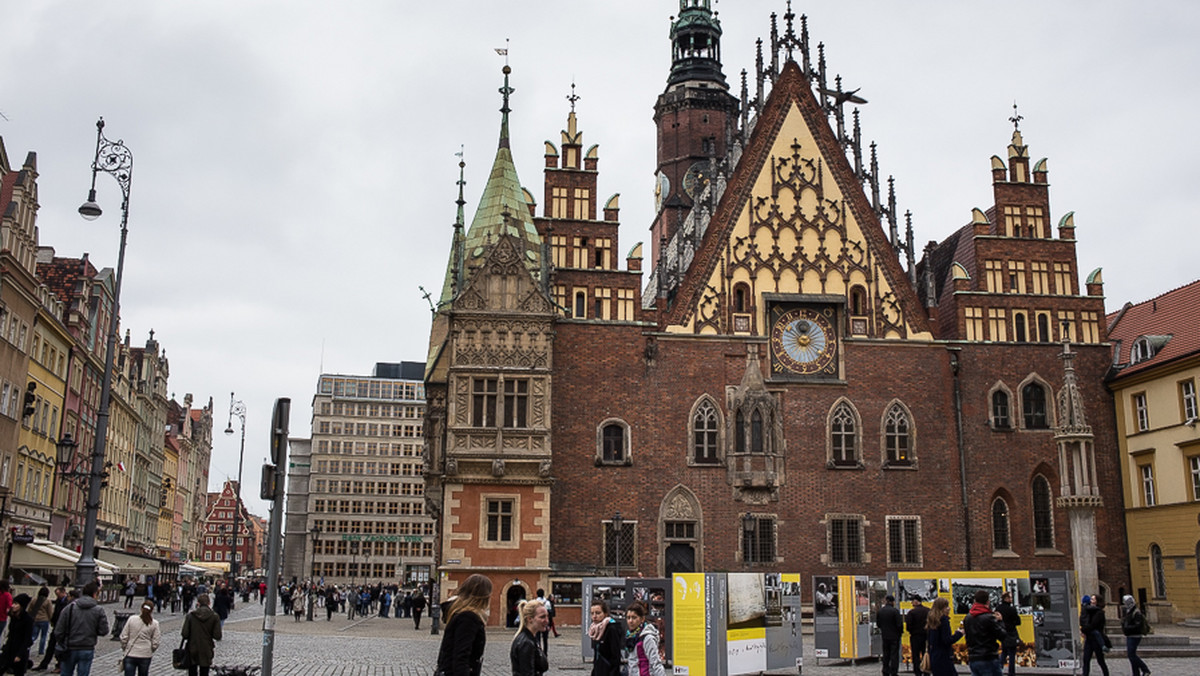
<point x="461" y="652"/>
<point x="941" y="641"/>
<point x="526" y="655"/>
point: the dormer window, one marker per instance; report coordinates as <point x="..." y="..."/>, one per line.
<point x="1142" y="350"/>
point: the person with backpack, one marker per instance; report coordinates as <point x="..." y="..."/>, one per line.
<point x="1091" y="625"/>
<point x="1134" y="626"/>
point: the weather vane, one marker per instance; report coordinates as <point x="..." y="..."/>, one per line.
<point x="503" y="51"/>
<point x="573" y="97"/>
<point x="1016" y="118"/>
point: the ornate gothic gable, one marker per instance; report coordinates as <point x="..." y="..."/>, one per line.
<point x="795" y="221"/>
<point x="503" y="283"/>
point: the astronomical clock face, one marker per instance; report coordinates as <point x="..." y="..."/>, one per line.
<point x="696" y="178"/>
<point x="803" y="342"/>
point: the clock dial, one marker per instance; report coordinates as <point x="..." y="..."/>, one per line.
<point x="696" y="179"/>
<point x="803" y="341"/>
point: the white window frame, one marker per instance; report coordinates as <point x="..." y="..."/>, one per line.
<point x="1148" y="494"/>
<point x="1141" y="411"/>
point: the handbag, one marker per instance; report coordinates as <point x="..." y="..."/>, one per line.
<point x="180" y="658"/>
<point x="925" y="663"/>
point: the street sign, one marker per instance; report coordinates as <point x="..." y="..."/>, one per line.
<point x="382" y="538"/>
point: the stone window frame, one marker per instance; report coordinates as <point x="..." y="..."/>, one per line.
<point x="627" y="443"/>
<point x="627" y="526"/>
<point x="1039" y="546"/>
<point x="863" y="556"/>
<point x="1000" y="388"/>
<point x="692" y="512"/>
<point x="516" y="540"/>
<point x="911" y="461"/>
<point x="857" y="461"/>
<point x="772" y="556"/>
<point x="1007" y="549"/>
<point x="719" y="457"/>
<point x="904" y="518"/>
<point x="1158" y="580"/>
<point x="1035" y="379"/>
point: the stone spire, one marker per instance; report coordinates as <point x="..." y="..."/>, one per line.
<point x="1079" y="487"/>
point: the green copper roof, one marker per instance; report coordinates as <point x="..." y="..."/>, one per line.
<point x="502" y="209"/>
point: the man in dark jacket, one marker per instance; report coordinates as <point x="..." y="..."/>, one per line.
<point x="1011" y="619"/>
<point x="984" y="634"/>
<point x="223" y="603"/>
<point x="201" y="628"/>
<point x="914" y="621"/>
<point x="80" y="624"/>
<point x="1091" y="625"/>
<point x="891" y="628"/>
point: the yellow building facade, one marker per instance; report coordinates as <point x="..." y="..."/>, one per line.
<point x="1155" y="391"/>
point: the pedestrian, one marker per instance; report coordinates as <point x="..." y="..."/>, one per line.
<point x="188" y="596"/>
<point x="80" y="624"/>
<point x="1095" y="642"/>
<point x="526" y="654"/>
<point x="130" y="590"/>
<point x="6" y="601"/>
<point x="543" y="636"/>
<point x="1012" y="620"/>
<point x="385" y="603"/>
<point x="139" y="639"/>
<point x="331" y="596"/>
<point x="941" y="641"/>
<point x="406" y="605"/>
<point x="60" y="601"/>
<point x="891" y="630"/>
<point x="14" y="656"/>
<point x="40" y="611"/>
<point x="418" y="607"/>
<point x="985" y="632"/>
<point x="641" y="643"/>
<point x="1134" y="626"/>
<point x="201" y="630"/>
<point x="914" y="622"/>
<point x="176" y="591"/>
<point x="262" y="591"/>
<point x="607" y="642"/>
<point x="298" y="601"/>
<point x="550" y="602"/>
<point x="465" y="636"/>
<point x="223" y="603"/>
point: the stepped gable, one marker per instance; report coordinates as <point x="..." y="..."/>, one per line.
<point x="792" y="87"/>
<point x="1171" y="316"/>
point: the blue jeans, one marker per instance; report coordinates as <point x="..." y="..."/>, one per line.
<point x="137" y="666"/>
<point x="42" y="630"/>
<point x="984" y="667"/>
<point x="78" y="662"/>
<point x="1136" y="664"/>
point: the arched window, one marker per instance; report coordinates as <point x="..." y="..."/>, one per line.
<point x="1019" y="330"/>
<point x="1158" y="574"/>
<point x="1043" y="517"/>
<point x="612" y="443"/>
<point x="756" y="432"/>
<point x="897" y="435"/>
<point x="580" y="305"/>
<point x="858" y="301"/>
<point x="705" y="433"/>
<point x="1142" y="350"/>
<point x="740" y="304"/>
<point x="1033" y="403"/>
<point x="1001" y="538"/>
<point x="1043" y="324"/>
<point x="1000" y="410"/>
<point x="843" y="436"/>
<point x="739" y="431"/>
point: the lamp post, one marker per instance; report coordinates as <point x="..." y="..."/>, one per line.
<point x="114" y="159"/>
<point x="749" y="521"/>
<point x="312" y="568"/>
<point x="617" y="524"/>
<point x="237" y="408"/>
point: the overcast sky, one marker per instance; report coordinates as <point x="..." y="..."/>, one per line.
<point x="294" y="172"/>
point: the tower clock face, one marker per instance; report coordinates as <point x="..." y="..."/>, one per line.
<point x="696" y="178"/>
<point x="803" y="342"/>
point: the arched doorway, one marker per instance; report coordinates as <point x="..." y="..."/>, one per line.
<point x="680" y="536"/>
<point x="515" y="595"/>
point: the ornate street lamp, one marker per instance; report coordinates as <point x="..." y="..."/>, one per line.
<point x="237" y="408"/>
<point x="749" y="521"/>
<point x="114" y="159"/>
<point x="617" y="524"/>
<point x="315" y="533"/>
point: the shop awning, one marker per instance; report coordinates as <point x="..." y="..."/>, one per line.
<point x="44" y="554"/>
<point x="132" y="564"/>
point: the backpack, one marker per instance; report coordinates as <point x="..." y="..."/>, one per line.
<point x="1144" y="624"/>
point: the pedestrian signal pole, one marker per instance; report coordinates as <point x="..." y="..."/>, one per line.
<point x="272" y="489"/>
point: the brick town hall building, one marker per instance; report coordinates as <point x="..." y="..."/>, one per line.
<point x="782" y="385"/>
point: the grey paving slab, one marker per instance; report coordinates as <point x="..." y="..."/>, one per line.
<point x="375" y="646"/>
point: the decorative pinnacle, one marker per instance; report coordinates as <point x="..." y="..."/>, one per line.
<point x="573" y="97"/>
<point x="1016" y="118"/>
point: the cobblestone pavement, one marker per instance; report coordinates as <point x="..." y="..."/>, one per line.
<point x="392" y="647"/>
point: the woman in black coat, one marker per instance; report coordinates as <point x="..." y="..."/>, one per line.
<point x="15" y="656"/>
<point x="526" y="652"/>
<point x="607" y="641"/>
<point x="941" y="641"/>
<point x="465" y="636"/>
